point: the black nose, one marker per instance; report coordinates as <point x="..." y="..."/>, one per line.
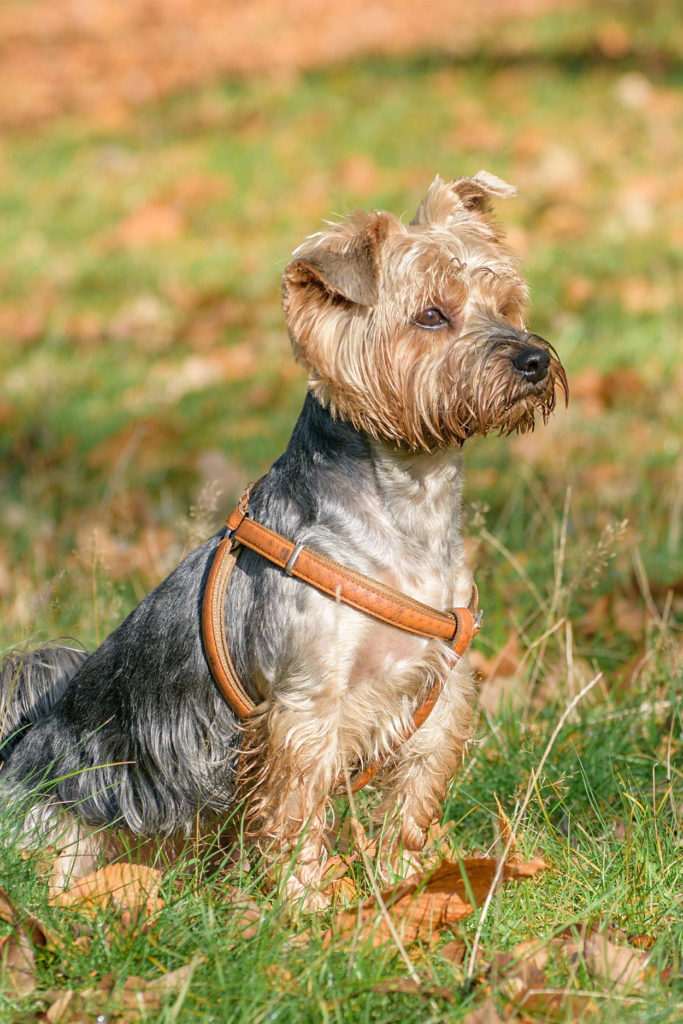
<point x="532" y="363"/>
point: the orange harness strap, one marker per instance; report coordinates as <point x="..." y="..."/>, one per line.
<point x="457" y="626"/>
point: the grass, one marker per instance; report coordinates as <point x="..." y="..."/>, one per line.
<point x="144" y="357"/>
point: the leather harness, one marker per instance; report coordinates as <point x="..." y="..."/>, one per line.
<point x="456" y="626"/>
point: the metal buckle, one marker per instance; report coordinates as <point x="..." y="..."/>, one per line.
<point x="292" y="559"/>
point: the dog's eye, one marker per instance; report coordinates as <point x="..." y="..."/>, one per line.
<point x="431" y="318"/>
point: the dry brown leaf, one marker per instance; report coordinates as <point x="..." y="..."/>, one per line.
<point x="7" y="911"/>
<point x="343" y="890"/>
<point x="624" y="966"/>
<point x="336" y="867"/>
<point x="408" y="986"/>
<point x="17" y="962"/>
<point x="280" y="977"/>
<point x="504" y="662"/>
<point x="336" y="882"/>
<point x="525" y="986"/>
<point x="548" y="1004"/>
<point x="426" y="903"/>
<point x="597" y="391"/>
<point x="522" y="970"/>
<point x="351" y="839"/>
<point x="136" y="1000"/>
<point x="486" y="1013"/>
<point x="130" y="888"/>
<point x="440" y="834"/>
<point x="614" y="955"/>
<point x="140" y="996"/>
<point x="360" y="838"/>
<point x="440" y="844"/>
<point x="17" y="957"/>
<point x="640" y="941"/>
<point x="507" y="835"/>
<point x="455" y="951"/>
<point x="629" y="617"/>
<point x="500" y="675"/>
<point x="58" y="1011"/>
<point x="246" y="913"/>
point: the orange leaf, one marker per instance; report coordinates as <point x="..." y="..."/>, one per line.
<point x="426" y="903"/>
<point x="131" y="888"/>
<point x="16" y="949"/>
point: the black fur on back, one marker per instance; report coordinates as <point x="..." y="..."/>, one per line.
<point x="31" y="684"/>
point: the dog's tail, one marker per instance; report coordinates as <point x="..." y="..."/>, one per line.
<point x="31" y="683"/>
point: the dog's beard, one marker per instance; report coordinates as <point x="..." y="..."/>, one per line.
<point x="430" y="405"/>
<point x="498" y="399"/>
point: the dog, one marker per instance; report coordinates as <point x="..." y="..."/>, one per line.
<point x="414" y="340"/>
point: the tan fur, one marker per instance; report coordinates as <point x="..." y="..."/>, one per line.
<point x="371" y="365"/>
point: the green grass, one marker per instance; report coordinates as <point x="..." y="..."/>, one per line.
<point x="108" y="415"/>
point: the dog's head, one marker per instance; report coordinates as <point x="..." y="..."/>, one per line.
<point x="416" y="333"/>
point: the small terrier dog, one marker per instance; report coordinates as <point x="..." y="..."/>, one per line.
<point x="414" y="340"/>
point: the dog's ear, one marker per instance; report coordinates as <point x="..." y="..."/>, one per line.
<point x="474" y="192"/>
<point x="448" y="201"/>
<point x="343" y="263"/>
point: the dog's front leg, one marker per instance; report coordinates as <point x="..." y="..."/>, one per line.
<point x="288" y="769"/>
<point x="422" y="769"/>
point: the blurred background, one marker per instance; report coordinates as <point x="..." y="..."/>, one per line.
<point x="160" y="159"/>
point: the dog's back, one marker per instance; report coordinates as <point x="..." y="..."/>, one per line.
<point x="31" y="683"/>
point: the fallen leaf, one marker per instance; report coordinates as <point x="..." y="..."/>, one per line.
<point x="523" y="970"/>
<point x="17" y="956"/>
<point x="455" y="951"/>
<point x="336" y="881"/>
<point x="504" y="662"/>
<point x="113" y="57"/>
<point x="408" y="986"/>
<point x="246" y="915"/>
<point x="613" y="39"/>
<point x="507" y="835"/>
<point x="140" y="995"/>
<point x="597" y="390"/>
<point x="440" y="844"/>
<point x="426" y="903"/>
<point x="59" y="1006"/>
<point x="279" y="977"/>
<point x="352" y="838"/>
<point x="343" y="890"/>
<point x="130" y="888"/>
<point x="136" y="1000"/>
<point x="486" y="1013"/>
<point x="623" y="966"/>
<point x="500" y="675"/>
<point x="525" y="986"/>
<point x="336" y="867"/>
<point x="17" y="961"/>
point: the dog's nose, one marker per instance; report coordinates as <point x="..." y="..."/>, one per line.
<point x="532" y="363"/>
